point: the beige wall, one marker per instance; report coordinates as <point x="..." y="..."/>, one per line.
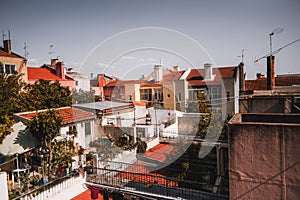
<point x="133" y="90"/>
<point x="264" y="161"/>
<point x="169" y="102"/>
<point x="20" y="65"/>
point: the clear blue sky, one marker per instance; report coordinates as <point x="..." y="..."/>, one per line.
<point x="223" y="28"/>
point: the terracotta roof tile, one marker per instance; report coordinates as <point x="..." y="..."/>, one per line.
<point x="196" y="76"/>
<point x="68" y="115"/>
<point x="261" y="83"/>
<point x="124" y="82"/>
<point x="172" y="76"/>
<point x="36" y="73"/>
<point x="139" y="170"/>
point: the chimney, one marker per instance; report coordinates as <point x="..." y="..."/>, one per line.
<point x="7" y="46"/>
<point x="158" y="72"/>
<point x="60" y="69"/>
<point x="260" y="76"/>
<point x="242" y="76"/>
<point x="176" y="68"/>
<point x="270" y="73"/>
<point x="208" y="72"/>
<point x="53" y="63"/>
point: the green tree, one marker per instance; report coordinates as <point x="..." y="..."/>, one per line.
<point x="82" y="96"/>
<point x="45" y="126"/>
<point x="201" y="106"/>
<point x="10" y="87"/>
<point x="44" y="94"/>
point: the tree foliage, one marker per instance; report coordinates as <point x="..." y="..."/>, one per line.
<point x="44" y="94"/>
<point x="45" y="126"/>
<point x="10" y="87"/>
<point x="16" y="96"/>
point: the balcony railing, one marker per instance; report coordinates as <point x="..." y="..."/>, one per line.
<point x="136" y="179"/>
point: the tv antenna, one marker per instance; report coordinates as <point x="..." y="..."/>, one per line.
<point x="51" y="49"/>
<point x="3" y="35"/>
<point x="25" y="50"/>
<point x="243" y="55"/>
<point x="276" y="51"/>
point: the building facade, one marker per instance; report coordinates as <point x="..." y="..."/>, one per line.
<point x="12" y="63"/>
<point x="53" y="72"/>
<point x="264" y="160"/>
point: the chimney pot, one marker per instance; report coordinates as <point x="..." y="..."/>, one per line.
<point x="242" y="76"/>
<point x="60" y="69"/>
<point x="208" y="71"/>
<point x="158" y="72"/>
<point x="53" y="63"/>
<point x="7" y="46"/>
<point x="270" y="73"/>
<point x="176" y="68"/>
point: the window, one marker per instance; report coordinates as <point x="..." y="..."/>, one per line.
<point x="72" y="128"/>
<point x="8" y="69"/>
<point x="157" y="94"/>
<point x="87" y="127"/>
<point x="193" y="93"/>
<point x="168" y="95"/>
<point x="76" y="83"/>
<point x="146" y="94"/>
<point x="179" y="96"/>
<point x="215" y="93"/>
<point x="130" y="97"/>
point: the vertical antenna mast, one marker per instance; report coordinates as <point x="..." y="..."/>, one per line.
<point x="3" y="35"/>
<point x="51" y="50"/>
<point x="243" y="55"/>
<point x="25" y="51"/>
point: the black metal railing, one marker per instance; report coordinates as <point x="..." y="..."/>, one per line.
<point x="136" y="178"/>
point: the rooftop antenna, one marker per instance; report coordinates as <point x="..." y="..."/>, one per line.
<point x="25" y="51"/>
<point x="3" y="35"/>
<point x="276" y="51"/>
<point x="242" y="56"/>
<point x="51" y="49"/>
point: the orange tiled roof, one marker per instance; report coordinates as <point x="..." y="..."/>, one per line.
<point x="196" y="76"/>
<point x="172" y="76"/>
<point x="68" y="115"/>
<point x="152" y="85"/>
<point x="261" y="83"/>
<point x="87" y="195"/>
<point x="158" y="153"/>
<point x="36" y="73"/>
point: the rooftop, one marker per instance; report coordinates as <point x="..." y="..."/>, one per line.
<point x="36" y="73"/>
<point x="10" y="55"/>
<point x="196" y="76"/>
<point x="282" y="80"/>
<point x="68" y="114"/>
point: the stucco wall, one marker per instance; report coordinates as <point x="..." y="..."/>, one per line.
<point x="20" y="63"/>
<point x="169" y="102"/>
<point x="264" y="161"/>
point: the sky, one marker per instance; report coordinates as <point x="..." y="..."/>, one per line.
<point x="127" y="38"/>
